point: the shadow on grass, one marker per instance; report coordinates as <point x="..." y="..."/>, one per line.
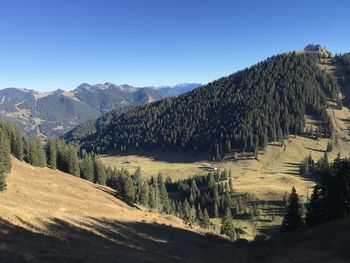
<point x="314" y="149"/>
<point x="164" y="156"/>
<point x="102" y="240"/>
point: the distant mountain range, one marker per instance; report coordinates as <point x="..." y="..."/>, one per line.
<point x="55" y="113"/>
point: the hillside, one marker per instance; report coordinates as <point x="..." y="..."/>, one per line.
<point x="54" y="113"/>
<point x="56" y="216"/>
<point x="241" y="112"/>
<point x="51" y="216"/>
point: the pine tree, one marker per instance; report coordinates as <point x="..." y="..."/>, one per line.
<point x="87" y="168"/>
<point x="164" y="197"/>
<point x="292" y="219"/>
<point x="2" y="182"/>
<point x="5" y="157"/>
<point x="51" y="152"/>
<point x="314" y="211"/>
<point x="206" y="219"/>
<point x="129" y="189"/>
<point x="186" y="212"/>
<point x="144" y="194"/>
<point x="73" y="164"/>
<point x="100" y="175"/>
<point x="227" y="227"/>
<point x="33" y="153"/>
<point x="40" y="153"/>
<point x="200" y="215"/>
<point x="16" y="143"/>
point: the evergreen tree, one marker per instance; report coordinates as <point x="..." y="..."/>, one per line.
<point x="186" y="212"/>
<point x="41" y="155"/>
<point x="292" y="219"/>
<point x="2" y="182"/>
<point x="100" y="175"/>
<point x="200" y="215"/>
<point x="164" y="197"/>
<point x="144" y="194"/>
<point x="129" y="189"/>
<point x="33" y="153"/>
<point x="206" y="220"/>
<point x="5" y="157"/>
<point x="51" y="152"/>
<point x="87" y="168"/>
<point x="227" y="227"/>
<point x="73" y="164"/>
<point x="16" y="140"/>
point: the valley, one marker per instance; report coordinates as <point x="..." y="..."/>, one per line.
<point x="161" y="199"/>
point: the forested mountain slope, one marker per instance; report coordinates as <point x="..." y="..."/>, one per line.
<point x="55" y="113"/>
<point x="242" y="111"/>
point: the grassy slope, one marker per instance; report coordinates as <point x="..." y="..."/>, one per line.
<point x="274" y="173"/>
<point x="47" y="214"/>
<point x="51" y="216"/>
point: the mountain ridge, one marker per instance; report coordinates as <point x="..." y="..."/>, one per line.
<point x="267" y="101"/>
<point x="55" y="112"/>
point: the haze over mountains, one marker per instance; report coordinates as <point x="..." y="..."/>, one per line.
<point x="54" y="113"/>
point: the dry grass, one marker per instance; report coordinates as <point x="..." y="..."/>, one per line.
<point x="49" y="216"/>
<point x="275" y="172"/>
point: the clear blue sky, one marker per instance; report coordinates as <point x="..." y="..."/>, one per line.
<point x="50" y="44"/>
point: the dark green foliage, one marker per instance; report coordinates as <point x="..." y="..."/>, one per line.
<point x="163" y="195"/>
<point x="314" y="213"/>
<point x="144" y="194"/>
<point x="37" y="155"/>
<point x="100" y="175"/>
<point x="129" y="189"/>
<point x="270" y="98"/>
<point x="51" y="153"/>
<point x="16" y="139"/>
<point x="292" y="219"/>
<point x="5" y="157"/>
<point x="87" y="168"/>
<point x="33" y="153"/>
<point x="2" y="182"/>
<point x="73" y="163"/>
<point x="206" y="221"/>
<point x="227" y="227"/>
<point x="331" y="195"/>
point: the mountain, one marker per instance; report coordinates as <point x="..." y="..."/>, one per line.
<point x="55" y="113"/>
<point x="178" y="89"/>
<point x="243" y="111"/>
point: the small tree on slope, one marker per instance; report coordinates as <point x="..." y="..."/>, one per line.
<point x="292" y="219"/>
